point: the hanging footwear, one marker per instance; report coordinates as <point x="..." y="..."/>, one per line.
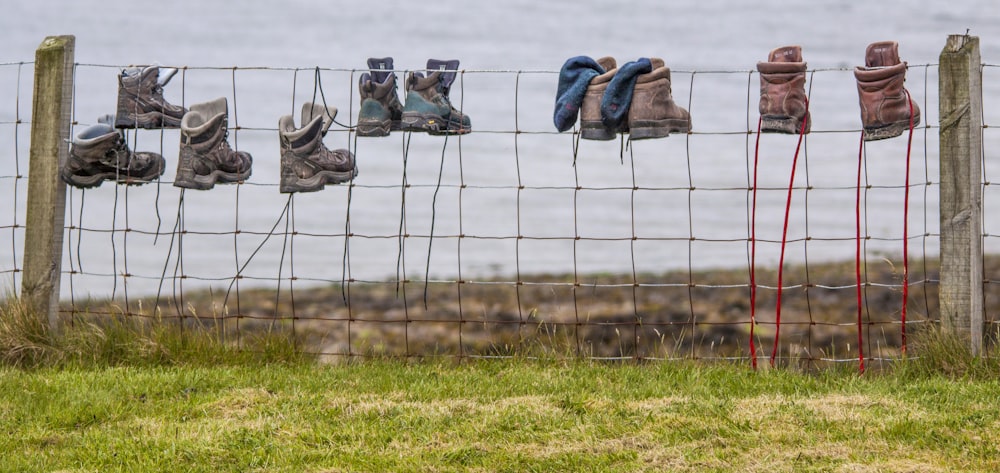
<point x="99" y="153"/>
<point x="205" y="155"/>
<point x="885" y="104"/>
<point x="306" y="163"/>
<point x="140" y="99"/>
<point x="782" y="92"/>
<point x="591" y="126"/>
<point x="653" y="112"/>
<point x="428" y="107"/>
<point x="381" y="110"/>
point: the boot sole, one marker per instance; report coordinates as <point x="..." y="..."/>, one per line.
<point x="649" y="129"/>
<point x="149" y="120"/>
<point x="317" y="182"/>
<point x="596" y="131"/>
<point x="209" y="181"/>
<point x="432" y="124"/>
<point x="97" y="179"/>
<point x="375" y="128"/>
<point x="891" y="130"/>
<point x="784" y="124"/>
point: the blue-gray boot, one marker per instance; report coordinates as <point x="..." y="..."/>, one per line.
<point x="380" y="111"/>
<point x="428" y="107"/>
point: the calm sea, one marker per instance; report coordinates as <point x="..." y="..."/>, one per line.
<point x="494" y="184"/>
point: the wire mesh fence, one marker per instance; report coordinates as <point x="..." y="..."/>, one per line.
<point x="516" y="238"/>
<point x="13" y="167"/>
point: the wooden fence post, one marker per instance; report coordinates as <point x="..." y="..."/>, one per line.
<point x="961" y="153"/>
<point x="52" y="103"/>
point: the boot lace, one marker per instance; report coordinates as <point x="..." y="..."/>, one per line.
<point x="118" y="155"/>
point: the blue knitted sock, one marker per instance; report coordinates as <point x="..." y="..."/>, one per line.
<point x="618" y="96"/>
<point x="574" y="77"/>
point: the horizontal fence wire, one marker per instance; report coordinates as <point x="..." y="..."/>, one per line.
<point x="516" y="238"/>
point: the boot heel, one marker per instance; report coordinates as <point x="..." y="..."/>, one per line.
<point x="596" y="131"/>
<point x="889" y="131"/>
<point x="185" y="170"/>
<point x="374" y="128"/>
<point x="786" y="125"/>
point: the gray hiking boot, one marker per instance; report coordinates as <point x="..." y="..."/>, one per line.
<point x="653" y="112"/>
<point x="380" y="111"/>
<point x="205" y="155"/>
<point x="99" y="153"/>
<point x="591" y="126"/>
<point x="140" y="99"/>
<point x="885" y="104"/>
<point x="306" y="163"/>
<point x="428" y="107"/>
<point x="782" y="92"/>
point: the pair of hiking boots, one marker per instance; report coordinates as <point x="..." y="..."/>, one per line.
<point x="645" y="110"/>
<point x="307" y="165"/>
<point x="428" y="106"/>
<point x="886" y="107"/>
<point x="100" y="153"/>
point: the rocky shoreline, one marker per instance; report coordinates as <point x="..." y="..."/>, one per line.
<point x="702" y="314"/>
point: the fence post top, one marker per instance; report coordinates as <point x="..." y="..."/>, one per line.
<point x="957" y="42"/>
<point x="57" y="41"/>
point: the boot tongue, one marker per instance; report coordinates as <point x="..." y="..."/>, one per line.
<point x="882" y="54"/>
<point x="786" y="54"/>
<point x="162" y="74"/>
<point x="446" y="77"/>
<point x="608" y="63"/>
<point x="165" y="74"/>
<point x="310" y="111"/>
<point x="380" y="67"/>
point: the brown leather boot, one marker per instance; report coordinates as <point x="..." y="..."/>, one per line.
<point x="140" y="99"/>
<point x="591" y="127"/>
<point x="205" y="156"/>
<point x="99" y="153"/>
<point x="885" y="104"/>
<point x="307" y="165"/>
<point x="653" y="112"/>
<point x="783" y="93"/>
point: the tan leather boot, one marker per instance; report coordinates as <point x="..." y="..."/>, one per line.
<point x="653" y="112"/>
<point x="782" y="92"/>
<point x="591" y="127"/>
<point x="885" y="104"/>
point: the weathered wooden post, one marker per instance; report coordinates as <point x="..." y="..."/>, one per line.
<point x="52" y="103"/>
<point x="961" y="140"/>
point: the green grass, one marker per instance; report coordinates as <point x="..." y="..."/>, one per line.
<point x="127" y="396"/>
<point x="514" y="415"/>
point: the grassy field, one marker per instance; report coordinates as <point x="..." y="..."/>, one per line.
<point x="513" y="415"/>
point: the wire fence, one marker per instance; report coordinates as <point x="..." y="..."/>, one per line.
<point x="13" y="166"/>
<point x="516" y="238"/>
